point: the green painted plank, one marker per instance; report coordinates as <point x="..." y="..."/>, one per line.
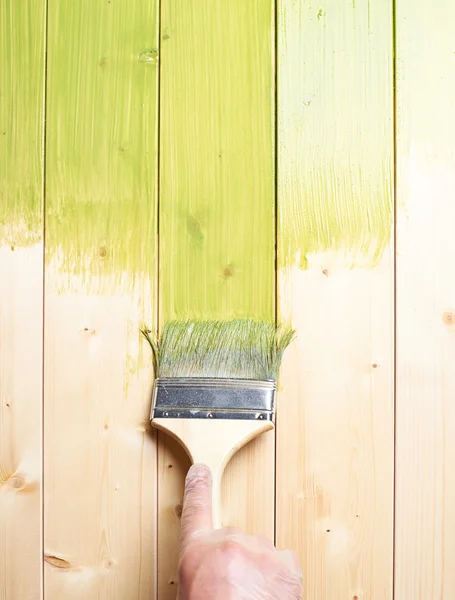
<point x="335" y="424"/>
<point x="217" y="221"/>
<point x="101" y="255"/>
<point x="22" y="31"/>
<point x="217" y="191"/>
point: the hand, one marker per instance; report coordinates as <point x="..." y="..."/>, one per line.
<point x="226" y="564"/>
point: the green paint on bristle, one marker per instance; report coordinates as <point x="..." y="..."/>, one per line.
<point x="239" y="349"/>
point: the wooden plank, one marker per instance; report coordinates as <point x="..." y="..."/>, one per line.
<point x="425" y="488"/>
<point x="335" y="209"/>
<point x="21" y="296"/>
<point x="100" y="459"/>
<point x="217" y="214"/>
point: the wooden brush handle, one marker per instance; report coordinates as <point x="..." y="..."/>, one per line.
<point x="213" y="442"/>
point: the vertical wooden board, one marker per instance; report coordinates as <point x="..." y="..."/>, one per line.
<point x="425" y="428"/>
<point x="21" y="294"/>
<point x="101" y="157"/>
<point x="335" y="210"/>
<point x="173" y="464"/>
<point x="217" y="212"/>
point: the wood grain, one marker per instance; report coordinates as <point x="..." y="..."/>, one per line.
<point x="335" y="209"/>
<point x="217" y="213"/>
<point x="425" y="478"/>
<point x="101" y="254"/>
<point x="21" y="297"/>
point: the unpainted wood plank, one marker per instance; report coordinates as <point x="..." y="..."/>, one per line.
<point x="173" y="465"/>
<point x="425" y="407"/>
<point x="217" y="214"/>
<point x="101" y="254"/>
<point x="21" y="297"/>
<point x="335" y="208"/>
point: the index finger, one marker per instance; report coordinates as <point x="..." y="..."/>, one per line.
<point x="197" y="504"/>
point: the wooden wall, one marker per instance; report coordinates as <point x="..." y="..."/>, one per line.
<point x="168" y="159"/>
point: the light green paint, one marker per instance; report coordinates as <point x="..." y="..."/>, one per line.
<point x="102" y="136"/>
<point x="21" y="121"/>
<point x="216" y="158"/>
<point x="335" y="115"/>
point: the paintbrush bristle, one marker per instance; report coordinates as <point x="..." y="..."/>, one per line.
<point x="238" y="349"/>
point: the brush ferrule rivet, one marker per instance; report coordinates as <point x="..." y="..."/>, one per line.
<point x="259" y="416"/>
<point x="210" y="415"/>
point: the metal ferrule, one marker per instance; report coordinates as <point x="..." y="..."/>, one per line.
<point x="207" y="398"/>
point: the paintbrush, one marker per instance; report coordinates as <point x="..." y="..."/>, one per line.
<point x="215" y="387"/>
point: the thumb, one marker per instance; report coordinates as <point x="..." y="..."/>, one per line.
<point x="197" y="504"/>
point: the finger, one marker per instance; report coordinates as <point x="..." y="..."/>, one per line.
<point x="258" y="543"/>
<point x="197" y="503"/>
<point x="227" y="533"/>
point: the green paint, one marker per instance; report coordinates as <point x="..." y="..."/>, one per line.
<point x="102" y="137"/>
<point x="21" y="122"/>
<point x="216" y="156"/>
<point x="335" y="101"/>
<point x="335" y="159"/>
